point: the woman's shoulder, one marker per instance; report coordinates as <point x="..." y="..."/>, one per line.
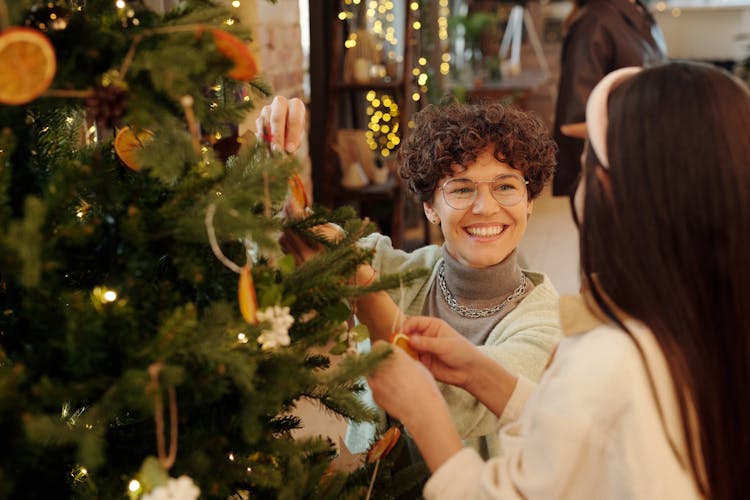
<point x="543" y="293"/>
<point x="395" y="259"/>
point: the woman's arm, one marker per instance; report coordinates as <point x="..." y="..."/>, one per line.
<point x="454" y="360"/>
<point x="406" y="390"/>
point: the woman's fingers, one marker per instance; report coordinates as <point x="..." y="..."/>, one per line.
<point x="285" y="120"/>
<point x="295" y="124"/>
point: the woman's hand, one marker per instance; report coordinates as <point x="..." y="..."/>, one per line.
<point x="445" y="352"/>
<point x="285" y="120"/>
<point x="405" y="389"/>
<point x="454" y="360"/>
<point x="402" y="386"/>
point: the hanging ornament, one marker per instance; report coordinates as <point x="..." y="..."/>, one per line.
<point x="245" y="67"/>
<point x="48" y="17"/>
<point x="401" y="340"/>
<point x="106" y="105"/>
<point x="380" y="450"/>
<point x="182" y="487"/>
<point x="277" y="334"/>
<point x="27" y="65"/>
<point x="128" y="142"/>
<point x="384" y="445"/>
<point x="246" y="294"/>
<point x="297" y="189"/>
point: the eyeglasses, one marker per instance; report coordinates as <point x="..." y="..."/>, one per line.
<point x="507" y="189"/>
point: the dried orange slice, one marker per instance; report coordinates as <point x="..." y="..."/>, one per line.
<point x="245" y="67"/>
<point x="297" y="188"/>
<point x="384" y="445"/>
<point x="128" y="142"/>
<point x="27" y="65"/>
<point x="247" y="298"/>
<point x="402" y="340"/>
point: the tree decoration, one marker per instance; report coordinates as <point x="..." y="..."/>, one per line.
<point x="401" y="340"/>
<point x="277" y="333"/>
<point x="245" y="67"/>
<point x="128" y="143"/>
<point x="48" y="17"/>
<point x="247" y="299"/>
<point x="106" y="104"/>
<point x="27" y="65"/>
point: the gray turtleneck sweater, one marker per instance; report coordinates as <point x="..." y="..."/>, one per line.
<point x="477" y="289"/>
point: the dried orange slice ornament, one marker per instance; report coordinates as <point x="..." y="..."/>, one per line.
<point x="27" y="65"/>
<point x="246" y="295"/>
<point x="384" y="445"/>
<point x="297" y="188"/>
<point x="402" y="340"/>
<point x="245" y="67"/>
<point x="128" y="142"/>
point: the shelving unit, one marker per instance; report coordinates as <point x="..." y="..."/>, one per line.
<point x="345" y="105"/>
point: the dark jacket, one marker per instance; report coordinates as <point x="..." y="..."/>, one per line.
<point x="603" y="36"/>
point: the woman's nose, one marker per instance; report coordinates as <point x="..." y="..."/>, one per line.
<point x="485" y="203"/>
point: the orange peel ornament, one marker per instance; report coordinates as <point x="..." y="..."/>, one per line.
<point x="384" y="445"/>
<point x="297" y="189"/>
<point x="128" y="142"/>
<point x="246" y="296"/>
<point x="245" y="66"/>
<point x="27" y="65"/>
<point x="402" y="340"/>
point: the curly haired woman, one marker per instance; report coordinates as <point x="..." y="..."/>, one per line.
<point x="477" y="169"/>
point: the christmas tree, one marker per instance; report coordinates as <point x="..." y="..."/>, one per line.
<point x="153" y="335"/>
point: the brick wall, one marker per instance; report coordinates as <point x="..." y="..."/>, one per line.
<point x="277" y="43"/>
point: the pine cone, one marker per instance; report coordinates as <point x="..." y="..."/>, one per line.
<point x="106" y="105"/>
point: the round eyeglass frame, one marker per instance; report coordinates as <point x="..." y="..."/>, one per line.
<point x="476" y="190"/>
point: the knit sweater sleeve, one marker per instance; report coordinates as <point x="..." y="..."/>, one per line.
<point x="522" y="343"/>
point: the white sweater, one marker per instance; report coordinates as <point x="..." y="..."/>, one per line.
<point x="591" y="429"/>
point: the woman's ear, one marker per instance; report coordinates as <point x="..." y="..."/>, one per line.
<point x="431" y="214"/>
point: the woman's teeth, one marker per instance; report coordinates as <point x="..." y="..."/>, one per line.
<point x="485" y="231"/>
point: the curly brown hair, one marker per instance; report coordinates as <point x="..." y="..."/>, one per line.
<point x="457" y="133"/>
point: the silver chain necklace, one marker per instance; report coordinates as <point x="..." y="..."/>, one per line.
<point x="470" y="312"/>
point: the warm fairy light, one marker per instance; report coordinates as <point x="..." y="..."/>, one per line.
<point x="109" y="296"/>
<point x="444" y="13"/>
<point x="415" y="96"/>
<point x="236" y="4"/>
<point x="242" y="339"/>
<point x="69" y="120"/>
<point x="661" y="6"/>
<point x="120" y="4"/>
<point x="383" y="131"/>
<point x="676" y="12"/>
<point x="134" y="485"/>
<point x="231" y="457"/>
<point x="217" y="135"/>
<point x="229" y="22"/>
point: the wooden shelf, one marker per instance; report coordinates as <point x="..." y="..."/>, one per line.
<point x="342" y="97"/>
<point x="395" y="86"/>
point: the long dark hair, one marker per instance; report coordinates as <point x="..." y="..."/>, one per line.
<point x="665" y="238"/>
